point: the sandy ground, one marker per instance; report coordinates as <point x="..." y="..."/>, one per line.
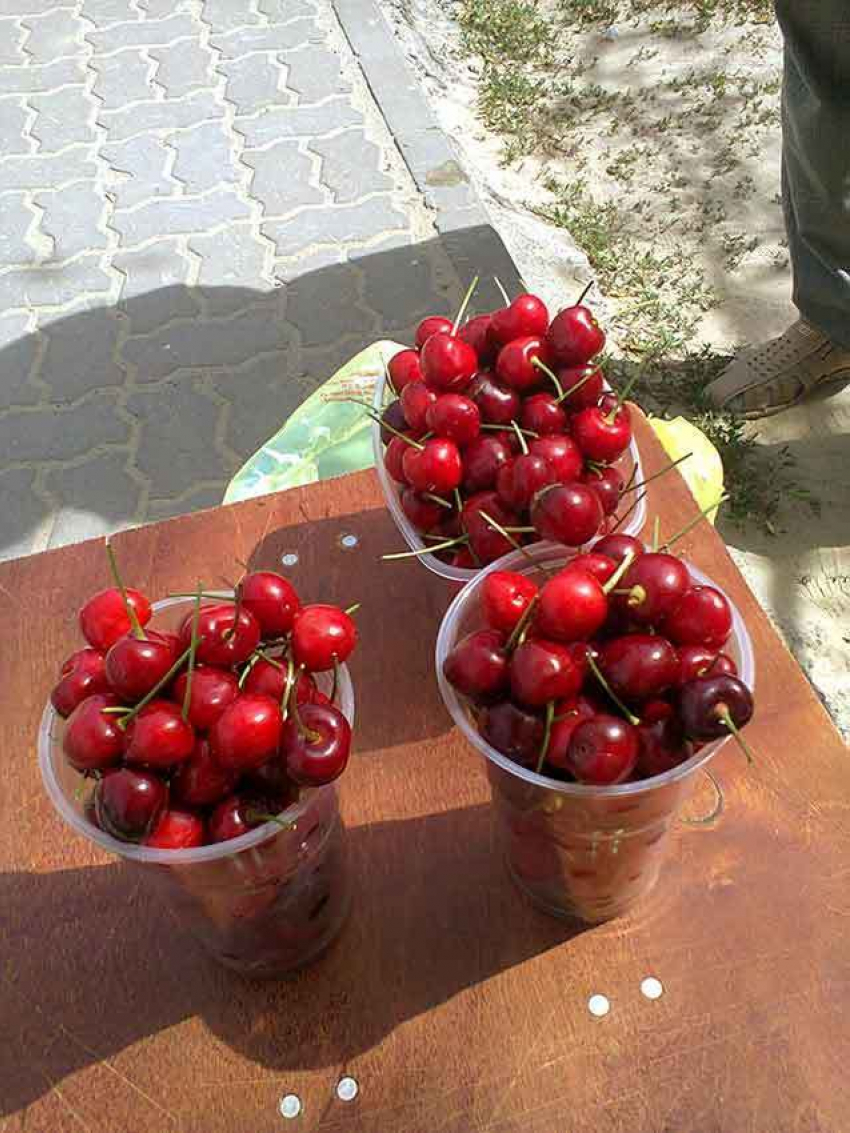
<point x="802" y="574"/>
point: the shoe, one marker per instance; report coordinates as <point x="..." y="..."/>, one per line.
<point x="766" y="379"/>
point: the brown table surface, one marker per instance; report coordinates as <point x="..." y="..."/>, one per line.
<point x="455" y="1006"/>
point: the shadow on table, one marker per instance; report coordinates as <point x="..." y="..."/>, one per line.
<point x="98" y="966"/>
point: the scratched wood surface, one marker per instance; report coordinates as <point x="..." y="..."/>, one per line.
<point x="456" y="1007"/>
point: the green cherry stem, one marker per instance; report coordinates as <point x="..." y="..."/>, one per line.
<point x="581" y="297"/>
<point x="161" y="683"/>
<point x="470" y="291"/>
<point x="501" y="429"/>
<point x="502" y="291"/>
<point x="438" y="500"/>
<point x="727" y="721"/>
<point x="351" y="610"/>
<point x="538" y="364"/>
<point x="632" y="487"/>
<point x="444" y="546"/>
<point x="547" y="735"/>
<point x="193" y="648"/>
<point x="610" y="585"/>
<point x="287" y="689"/>
<point x="594" y="668"/>
<point x="656" y="532"/>
<point x="577" y="386"/>
<point x="311" y="735"/>
<point x="520" y="438"/>
<point x="135" y="624"/>
<point x="668" y="543"/>
<point x="518" y="631"/>
<point x="628" y="512"/>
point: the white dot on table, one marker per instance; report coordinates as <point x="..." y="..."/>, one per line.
<point x="347" y="1089"/>
<point x="349" y="541"/>
<point x="290" y="558"/>
<point x="598" y="1005"/>
<point x="290" y="1106"/>
<point x="652" y="988"/>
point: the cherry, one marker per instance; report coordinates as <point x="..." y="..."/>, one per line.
<point x="315" y="748"/>
<point x="487" y="543"/>
<point x="662" y="745"/>
<point x="610" y="403"/>
<point x="403" y="368"/>
<point x="227" y="635"/>
<point x="454" y="416"/>
<point x="562" y="453"/>
<point x="542" y="414"/>
<point x="601" y="436"/>
<point x="572" y="606"/>
<point x="81" y="676"/>
<point x="505" y="596"/>
<point x="272" y="782"/>
<point x="416" y="399"/>
<point x="92" y="738"/>
<point x="247" y="733"/>
<point x="103" y="619"/>
<point x="447" y="362"/>
<point x="707" y="705"/>
<point x="600" y="566"/>
<point x="567" y="513"/>
<point x="608" y="485"/>
<point x="128" y="803"/>
<point x="463" y="558"/>
<point x="699" y="661"/>
<point x="394" y="459"/>
<point x="525" y="315"/>
<point x="437" y="467"/>
<point x="212" y="690"/>
<point x="519" y="481"/>
<point x="482" y="459"/>
<point x="272" y="600"/>
<point x="656" y="583"/>
<point x="639" y="665"/>
<point x="514" y="365"/>
<point x="238" y="815"/>
<point x="269" y="677"/>
<point x="568" y="715"/>
<point x="574" y="336"/>
<point x="434" y="324"/>
<point x="542" y="671"/>
<point x="322" y="635"/>
<point x="393" y="422"/>
<point x="616" y="546"/>
<point x="176" y="830"/>
<point x="477" y="666"/>
<point x="134" y="665"/>
<point x="497" y="404"/>
<point x="603" y="750"/>
<point x="513" y="731"/>
<point x="582" y="386"/>
<point x="200" y="780"/>
<point x="702" y="617"/>
<point x="158" y="736"/>
<point x="424" y="514"/>
<point x="476" y="332"/>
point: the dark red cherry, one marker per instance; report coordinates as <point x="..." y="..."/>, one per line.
<point x="700" y="661"/>
<point x="562" y="454"/>
<point x="128" y="803"/>
<point x="315" y="749"/>
<point x="437" y="467"/>
<point x="416" y="400"/>
<point x="519" y="481"/>
<point x="158" y="736"/>
<point x="92" y="738"/>
<point x="497" y="404"/>
<point x="226" y="636"/>
<point x="702" y="617"/>
<point x="639" y="665"/>
<point x="567" y="513"/>
<point x="542" y="671"/>
<point x="477" y="665"/>
<point x="662" y="746"/>
<point x="656" y="583"/>
<point x="486" y="542"/>
<point x="603" y="750"/>
<point x="134" y="665"/>
<point x="707" y="704"/>
<point x="582" y="386"/>
<point x="434" y="324"/>
<point x="505" y="596"/>
<point x="454" y="416"/>
<point x="200" y="780"/>
<point x="393" y="422"/>
<point x="212" y="690"/>
<point x="568" y="715"/>
<point x="600" y="566"/>
<point x="513" y="731"/>
<point x="542" y="414"/>
<point x="616" y="546"/>
<point x="424" y="514"/>
<point x="239" y="814"/>
<point x="81" y="676"/>
<point x="247" y="733"/>
<point x="394" y="459"/>
<point x="608" y="485"/>
<point x="176" y="830"/>
<point x="476" y="332"/>
<point x="482" y="459"/>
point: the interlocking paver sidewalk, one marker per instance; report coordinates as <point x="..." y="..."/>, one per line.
<point x="203" y="211"/>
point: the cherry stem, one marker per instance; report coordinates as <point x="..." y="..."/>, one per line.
<point x="309" y="734"/>
<point x="207" y="594"/>
<point x="444" y="546"/>
<point x="257" y="816"/>
<point x="656" y="532"/>
<point x="631" y="480"/>
<point x="352" y="609"/>
<point x="726" y="719"/>
<point x="287" y="689"/>
<point x="504" y="293"/>
<point x="335" y="684"/>
<point x="135" y="624"/>
<point x="628" y="512"/>
<point x="581" y="297"/>
<point x="667" y="544"/>
<point x="237" y="610"/>
<point x="458" y="500"/>
<point x="547" y="735"/>
<point x="507" y="535"/>
<point x="627" y="561"/>
<point x="466" y="299"/>
<point x="540" y="365"/>
<point x="502" y="428"/>
<point x="193" y="648"/>
<point x="574" y="389"/>
<point x="594" y="668"/>
<point x="387" y="379"/>
<point x="160" y="684"/>
<point x="438" y="500"/>
<point x="518" y="631"/>
<point x="632" y="487"/>
<point x="521" y="530"/>
<point x="252" y="661"/>
<point x="520" y="438"/>
<point x="375" y="416"/>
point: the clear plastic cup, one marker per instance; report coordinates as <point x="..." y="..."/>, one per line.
<point x="628" y="464"/>
<point x="262" y="904"/>
<point x="575" y="850"/>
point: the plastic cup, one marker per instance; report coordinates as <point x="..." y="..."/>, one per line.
<point x="575" y="850"/>
<point x="262" y="904"/>
<point x="628" y="463"/>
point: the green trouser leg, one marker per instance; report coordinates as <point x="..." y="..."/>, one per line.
<point x="816" y="159"/>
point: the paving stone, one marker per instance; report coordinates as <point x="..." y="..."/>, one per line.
<point x="15" y="218"/>
<point x="31" y="7"/>
<point x="288" y="270"/>
<point x="26" y="80"/>
<point x="97" y="497"/>
<point x="254" y="83"/>
<point x="204" y="157"/>
<point x="150" y="33"/>
<point x="72" y="218"/>
<point x="22" y="510"/>
<point x="79" y="354"/>
<point x="332" y="226"/>
<point x="155" y="288"/>
<point x="351" y="166"/>
<point x="314" y="73"/>
<point x="223" y="15"/>
<point x="298" y="122"/>
<point x="229" y="259"/>
<point x="139" y="170"/>
<point x="106" y="12"/>
<point x="122" y="78"/>
<point x="281" y="194"/>
<point x="54" y="35"/>
<point x="40" y="170"/>
<point x="281" y="11"/>
<point x="18" y="355"/>
<point x="179" y="216"/>
<point x="183" y="67"/>
<point x="280" y="37"/>
<point x="206" y="495"/>
<point x="54" y="434"/>
<point x="324" y="305"/>
<point x="64" y="117"/>
<point x="13" y="121"/>
<point x="398" y="286"/>
<point x="159" y="9"/>
<point x="11" y="37"/>
<point x="51" y="286"/>
<point x="261" y="397"/>
<point x="169" y="114"/>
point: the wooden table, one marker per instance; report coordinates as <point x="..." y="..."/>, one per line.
<point x="455" y="1006"/>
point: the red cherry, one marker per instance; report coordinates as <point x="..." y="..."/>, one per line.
<point x="603" y="750"/>
<point x="497" y="404"/>
<point x="582" y="386"/>
<point x="568" y="715"/>
<point x="393" y="422"/>
<point x="92" y="738"/>
<point x="247" y="733"/>
<point x="542" y="414"/>
<point x="513" y="731"/>
<point x="526" y="315"/>
<point x="706" y="705"/>
<point x="616" y="546"/>
<point x="416" y="399"/>
<point x="562" y="454"/>
<point x="322" y="634"/>
<point x="699" y="661"/>
<point x="269" y="678"/>
<point x="225" y="637"/>
<point x="200" y="780"/>
<point x="567" y="513"/>
<point x="477" y="665"/>
<point x="482" y="459"/>
<point x="447" y="362"/>
<point x="272" y="782"/>
<point x="403" y="369"/>
<point x="601" y="436"/>
<point x="702" y="617"/>
<point x="476" y="333"/>
<point x="134" y="665"/>
<point x="271" y="599"/>
<point x="505" y="596"/>
<point x="103" y="619"/>
<point x="639" y="665"/>
<point x="484" y="539"/>
<point x="212" y="691"/>
<point x="519" y="481"/>
<point x="514" y="366"/>
<point x="662" y="745"/>
<point x="542" y="671"/>
<point x="463" y="559"/>
<point x="394" y="459"/>
<point x="434" y="324"/>
<point x="239" y="814"/>
<point x="656" y="582"/>
<point x="575" y="336"/>
<point x="424" y="514"/>
<point x="317" y="754"/>
<point x="158" y="736"/>
<point x="128" y="803"/>
<point x="176" y="830"/>
<point x="572" y="606"/>
<point x="608" y="485"/>
<point x="600" y="566"/>
<point x="454" y="416"/>
<point x="81" y="676"/>
<point x="435" y="468"/>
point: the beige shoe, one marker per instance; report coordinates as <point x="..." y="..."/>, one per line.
<point x="766" y="379"/>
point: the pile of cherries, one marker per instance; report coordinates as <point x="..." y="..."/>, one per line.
<point x="611" y="670"/>
<point x="502" y="422"/>
<point x="198" y="736"/>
